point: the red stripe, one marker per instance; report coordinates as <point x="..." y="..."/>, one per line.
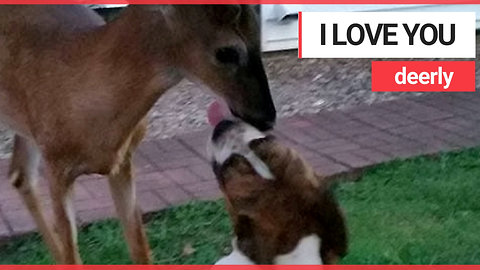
<point x="241" y="267"/>
<point x="300" y="34"/>
<point x="239" y="1"/>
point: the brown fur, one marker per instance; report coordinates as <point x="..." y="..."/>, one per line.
<point x="271" y="216"/>
<point x="75" y="90"/>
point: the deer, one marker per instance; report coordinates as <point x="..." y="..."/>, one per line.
<point x="76" y="91"/>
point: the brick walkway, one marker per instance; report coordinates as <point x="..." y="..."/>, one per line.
<point x="175" y="171"/>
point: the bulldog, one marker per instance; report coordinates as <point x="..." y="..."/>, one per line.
<point x="282" y="211"/>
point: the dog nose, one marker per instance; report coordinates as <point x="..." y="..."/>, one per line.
<point x="222" y="127"/>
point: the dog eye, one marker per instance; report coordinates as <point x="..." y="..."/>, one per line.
<point x="228" y="55"/>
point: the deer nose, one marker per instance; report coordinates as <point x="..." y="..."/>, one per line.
<point x="264" y="126"/>
<point x="261" y="123"/>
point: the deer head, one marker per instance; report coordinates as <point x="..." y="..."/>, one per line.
<point x="219" y="46"/>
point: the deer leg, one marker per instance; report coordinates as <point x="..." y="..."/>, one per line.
<point x="24" y="177"/>
<point x="61" y="190"/>
<point x="123" y="193"/>
<point x="122" y="188"/>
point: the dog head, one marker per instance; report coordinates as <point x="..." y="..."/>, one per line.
<point x="282" y="211"/>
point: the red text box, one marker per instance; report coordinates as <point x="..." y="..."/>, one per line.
<point x="423" y="76"/>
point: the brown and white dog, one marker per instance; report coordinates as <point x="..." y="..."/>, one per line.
<point x="282" y="211"/>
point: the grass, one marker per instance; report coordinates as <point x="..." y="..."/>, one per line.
<point x="424" y="210"/>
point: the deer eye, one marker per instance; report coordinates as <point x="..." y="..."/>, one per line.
<point x="228" y="55"/>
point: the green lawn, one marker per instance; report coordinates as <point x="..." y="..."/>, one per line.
<point x="419" y="211"/>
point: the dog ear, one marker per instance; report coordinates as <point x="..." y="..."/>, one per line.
<point x="260" y="146"/>
<point x="276" y="156"/>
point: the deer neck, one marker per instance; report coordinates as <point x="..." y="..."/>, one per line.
<point x="143" y="46"/>
<point x="137" y="66"/>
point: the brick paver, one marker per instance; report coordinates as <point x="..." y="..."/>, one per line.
<point x="175" y="171"/>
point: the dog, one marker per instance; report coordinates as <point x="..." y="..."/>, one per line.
<point x="282" y="211"/>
